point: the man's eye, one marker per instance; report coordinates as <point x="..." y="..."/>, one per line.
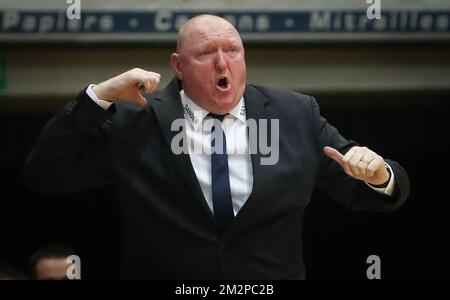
<point x="203" y="53"/>
<point x="231" y="49"/>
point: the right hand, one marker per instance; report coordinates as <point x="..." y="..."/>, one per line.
<point x="128" y="86"/>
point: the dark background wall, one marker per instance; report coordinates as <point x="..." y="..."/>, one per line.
<point x="412" y="242"/>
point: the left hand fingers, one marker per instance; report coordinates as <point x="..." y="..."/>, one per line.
<point x="374" y="165"/>
<point x="357" y="161"/>
<point x="360" y="161"/>
<point x="353" y="162"/>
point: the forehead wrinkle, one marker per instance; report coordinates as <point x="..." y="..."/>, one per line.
<point x="204" y="37"/>
<point x="205" y="21"/>
<point x="206" y="29"/>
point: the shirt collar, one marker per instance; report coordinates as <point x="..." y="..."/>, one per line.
<point x="195" y="114"/>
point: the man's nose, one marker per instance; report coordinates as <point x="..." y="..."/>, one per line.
<point x="221" y="63"/>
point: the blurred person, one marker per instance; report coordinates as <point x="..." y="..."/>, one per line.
<point x="50" y="262"/>
<point x="217" y="215"/>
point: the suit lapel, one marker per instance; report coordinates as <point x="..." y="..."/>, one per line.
<point x="256" y="109"/>
<point x="167" y="107"/>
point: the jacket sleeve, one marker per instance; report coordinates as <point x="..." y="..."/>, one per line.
<point x="73" y="151"/>
<point x="352" y="193"/>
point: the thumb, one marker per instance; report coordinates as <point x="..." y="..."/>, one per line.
<point x="333" y="154"/>
<point x="139" y="99"/>
<point x="142" y="101"/>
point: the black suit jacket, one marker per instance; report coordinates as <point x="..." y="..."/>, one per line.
<point x="168" y="229"/>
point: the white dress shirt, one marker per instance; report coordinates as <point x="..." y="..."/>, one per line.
<point x="239" y="160"/>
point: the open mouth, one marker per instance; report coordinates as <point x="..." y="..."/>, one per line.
<point x="223" y="83"/>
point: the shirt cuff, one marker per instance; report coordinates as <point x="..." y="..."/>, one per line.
<point x="102" y="103"/>
<point x="389" y="189"/>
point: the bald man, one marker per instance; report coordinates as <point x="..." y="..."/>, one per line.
<point x="215" y="213"/>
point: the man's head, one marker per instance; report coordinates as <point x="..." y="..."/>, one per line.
<point x="210" y="63"/>
<point x="49" y="263"/>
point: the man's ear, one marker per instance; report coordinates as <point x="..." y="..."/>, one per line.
<point x="175" y="63"/>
